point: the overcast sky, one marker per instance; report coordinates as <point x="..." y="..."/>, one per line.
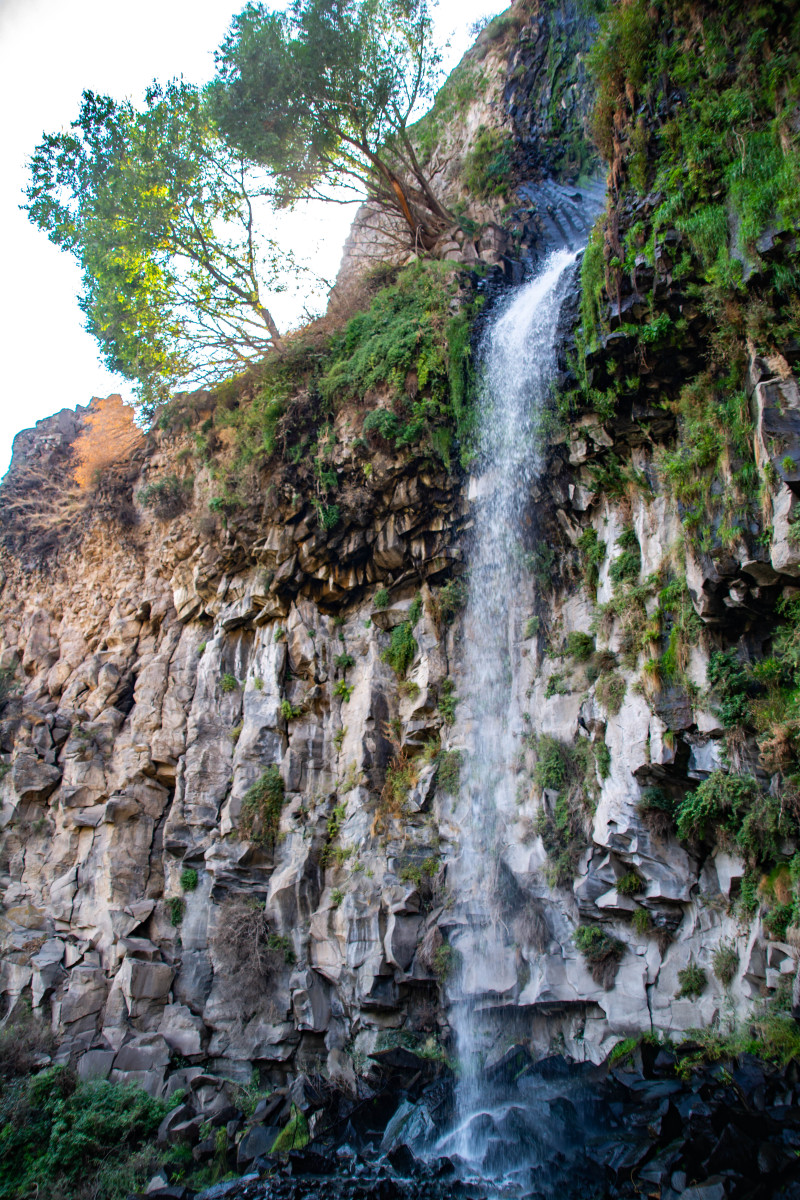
<point x="50" y="50"/>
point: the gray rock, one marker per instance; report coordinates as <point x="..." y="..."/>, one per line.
<point x="95" y="1064"/>
<point x="258" y="1140"/>
<point x="33" y="779"/>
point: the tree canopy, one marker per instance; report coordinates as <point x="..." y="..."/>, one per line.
<point x="160" y="214"/>
<point x="322" y="96"/>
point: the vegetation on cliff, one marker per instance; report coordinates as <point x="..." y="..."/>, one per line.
<point x="323" y="96"/>
<point x="691" y="277"/>
<point x="160" y="216"/>
<point x="164" y="206"/>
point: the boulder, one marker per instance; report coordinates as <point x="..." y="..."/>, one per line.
<point x="182" y="1030"/>
<point x="33" y="779"/>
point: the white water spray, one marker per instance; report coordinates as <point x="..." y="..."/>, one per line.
<point x="518" y="360"/>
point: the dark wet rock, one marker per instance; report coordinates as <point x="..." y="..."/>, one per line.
<point x="655" y="1089"/>
<point x="223" y="1115"/>
<point x="167" y="1135"/>
<point x="510" y="1066"/>
<point x="664" y="1062"/>
<point x="559" y="1129"/>
<point x="402" y="1160"/>
<point x="258" y="1140"/>
<point x="553" y="1067"/>
<point x="734" y="1150"/>
<point x="712" y="1189"/>
<point x="267" y="1111"/>
<point x="204" y="1151"/>
<point x="750" y="1080"/>
<point x="171" y="1192"/>
<point x="311" y="1162"/>
<point x="220" y="1191"/>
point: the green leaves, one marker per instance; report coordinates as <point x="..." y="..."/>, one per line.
<point x="160" y="216"/>
<point x="322" y="96"/>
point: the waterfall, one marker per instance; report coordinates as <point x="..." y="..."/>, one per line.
<point x="518" y="364"/>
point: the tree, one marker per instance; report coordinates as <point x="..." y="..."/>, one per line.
<point x="160" y="215"/>
<point x="322" y="96"/>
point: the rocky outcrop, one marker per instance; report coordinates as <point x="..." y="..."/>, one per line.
<point x="152" y="680"/>
<point x="230" y="733"/>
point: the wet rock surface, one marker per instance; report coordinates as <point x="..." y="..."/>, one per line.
<point x="549" y="1129"/>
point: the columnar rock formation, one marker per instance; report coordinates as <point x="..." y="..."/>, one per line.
<point x="170" y="899"/>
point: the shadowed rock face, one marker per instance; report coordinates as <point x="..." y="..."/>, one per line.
<point x="550" y="1129"/>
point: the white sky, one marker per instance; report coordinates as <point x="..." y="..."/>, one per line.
<point x="50" y="50"/>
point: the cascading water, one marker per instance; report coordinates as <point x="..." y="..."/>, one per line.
<point x="518" y="365"/>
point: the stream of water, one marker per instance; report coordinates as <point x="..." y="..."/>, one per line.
<point x="518" y="364"/>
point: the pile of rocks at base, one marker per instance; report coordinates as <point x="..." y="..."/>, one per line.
<point x="552" y="1128"/>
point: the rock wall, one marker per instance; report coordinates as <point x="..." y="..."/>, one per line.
<point x="170" y="899"/>
<point x="151" y="678"/>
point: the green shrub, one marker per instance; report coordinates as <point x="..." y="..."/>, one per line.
<point x="59" y="1136"/>
<point x="344" y="661"/>
<point x="657" y="809"/>
<point x="401" y="775"/>
<point x="630" y="884"/>
<point x="623" y="1053"/>
<point x="532" y="626"/>
<point x="603" y="758"/>
<point x="556" y="685"/>
<point x="283" y="945"/>
<point x="419" y="873"/>
<point x="778" y="920"/>
<point x="228" y="683"/>
<point x="552" y="764"/>
<point x="344" y="690"/>
<point x="626" y="566"/>
<point x="337" y="896"/>
<point x="451" y="599"/>
<point x="167" y="497"/>
<point x="448" y="771"/>
<point x="725" y="961"/>
<point x="601" y="951"/>
<point x="381" y="598"/>
<point x="728" y="677"/>
<point x="401" y="650"/>
<point x="288" y="710"/>
<point x="328" y="515"/>
<point x="592" y="552"/>
<point x="693" y="981"/>
<point x="446" y="962"/>
<point x="175" y="907"/>
<point x="642" y="921"/>
<point x="610" y="691"/>
<point x="561" y="826"/>
<point x="408" y="327"/>
<point x="261" y="808"/>
<point x="580" y="646"/>
<point x="188" y="879"/>
<point x="486" y="170"/>
<point x="447" y="701"/>
<point x="734" y="809"/>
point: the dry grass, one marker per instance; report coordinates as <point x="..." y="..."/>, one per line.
<point x="24" y="1040"/>
<point x="109" y="436"/>
<point x="240" y="946"/>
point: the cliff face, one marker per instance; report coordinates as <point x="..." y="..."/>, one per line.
<point x="170" y="898"/>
